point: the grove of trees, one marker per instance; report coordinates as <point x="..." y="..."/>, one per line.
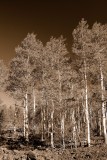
<point x="60" y="97"/>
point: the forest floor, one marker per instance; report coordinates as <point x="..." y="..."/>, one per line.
<point x="98" y="152"/>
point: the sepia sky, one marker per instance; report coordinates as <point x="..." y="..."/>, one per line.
<point x="45" y="18"/>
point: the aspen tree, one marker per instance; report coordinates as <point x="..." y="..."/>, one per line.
<point x="81" y="37"/>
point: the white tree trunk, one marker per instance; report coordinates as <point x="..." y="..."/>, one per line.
<point x="34" y="108"/>
<point x="103" y="104"/>
<point x="79" y="128"/>
<point x="60" y="103"/>
<point x="44" y="120"/>
<point x="74" y="129"/>
<point x="62" y="131"/>
<point x="52" y="136"/>
<point x="26" y="117"/>
<point x="86" y="104"/>
<point x="34" y="102"/>
<point x="60" y="94"/>
<point x="15" y="114"/>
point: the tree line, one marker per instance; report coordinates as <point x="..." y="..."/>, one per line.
<point x="61" y="97"/>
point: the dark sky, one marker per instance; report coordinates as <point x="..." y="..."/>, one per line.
<point x="45" y="18"/>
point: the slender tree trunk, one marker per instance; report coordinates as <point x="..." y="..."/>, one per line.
<point x="42" y="138"/>
<point x="26" y="104"/>
<point x="79" y="129"/>
<point x="103" y="104"/>
<point x="15" y="114"/>
<point x="43" y="114"/>
<point x="52" y="134"/>
<point x="99" y="123"/>
<point x="47" y="120"/>
<point x="63" y="130"/>
<point x="60" y="103"/>
<point x="60" y="95"/>
<point x="44" y="101"/>
<point x="34" y="108"/>
<point x="26" y="117"/>
<point x="100" y="126"/>
<point x="34" y="102"/>
<point x="86" y="104"/>
<point x="44" y="121"/>
<point x="74" y="129"/>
